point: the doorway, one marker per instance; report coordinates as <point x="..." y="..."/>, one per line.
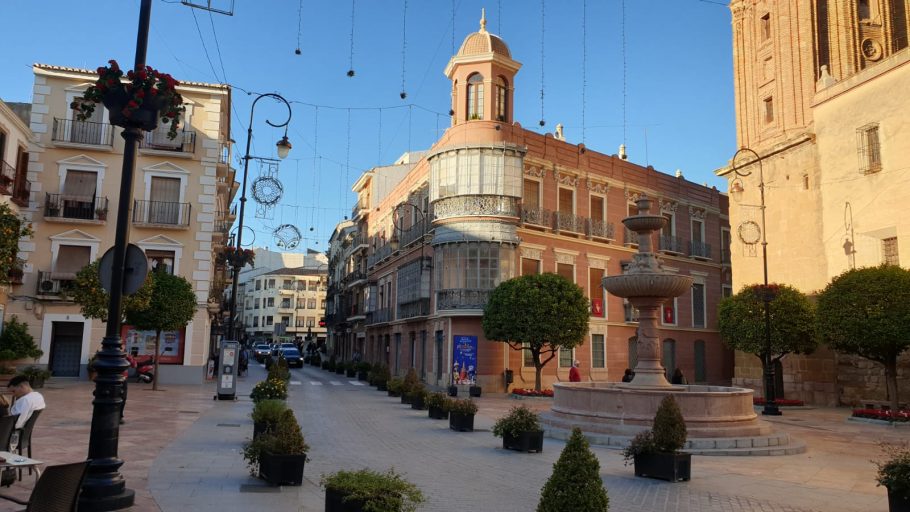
<point x="66" y="348"/>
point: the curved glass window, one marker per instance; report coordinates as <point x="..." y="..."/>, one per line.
<point x="476" y="171"/>
<point x="473" y="265"/>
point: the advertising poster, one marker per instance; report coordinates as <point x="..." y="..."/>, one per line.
<point x="142" y="343"/>
<point x="464" y="370"/>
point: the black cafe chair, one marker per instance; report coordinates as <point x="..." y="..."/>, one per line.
<point x="57" y="490"/>
<point x="25" y="438"/>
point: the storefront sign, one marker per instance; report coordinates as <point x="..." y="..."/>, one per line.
<point x="142" y="343"/>
<point x="464" y="370"/>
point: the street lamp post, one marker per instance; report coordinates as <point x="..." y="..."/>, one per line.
<point x="284" y="146"/>
<point x="770" y="408"/>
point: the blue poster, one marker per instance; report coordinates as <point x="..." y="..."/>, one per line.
<point x="464" y="369"/>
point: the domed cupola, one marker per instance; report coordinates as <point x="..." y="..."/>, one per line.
<point x="482" y="74"/>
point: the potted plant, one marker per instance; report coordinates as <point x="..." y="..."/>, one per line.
<point x="101" y="213"/>
<point x="270" y="389"/>
<point x="279" y="370"/>
<point x="350" y="369"/>
<point x="520" y="430"/>
<point x="474" y="391"/>
<point x="656" y="453"/>
<point x="894" y="474"/>
<point x="437" y="406"/>
<point x="394" y="386"/>
<point x="575" y="485"/>
<point x="461" y="414"/>
<point x="266" y="414"/>
<point x="363" y="370"/>
<point x="368" y="490"/>
<point x="279" y="455"/>
<point x="410" y="382"/>
<point x="16" y="342"/>
<point x="36" y="376"/>
<point x="418" y="396"/>
<point x="380" y="376"/>
<point x="452" y="390"/>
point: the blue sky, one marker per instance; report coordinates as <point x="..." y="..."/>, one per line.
<point x="679" y="111"/>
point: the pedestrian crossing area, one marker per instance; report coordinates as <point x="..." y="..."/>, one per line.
<point x="337" y="383"/>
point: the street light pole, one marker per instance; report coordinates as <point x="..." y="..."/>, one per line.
<point x="770" y="408"/>
<point x="284" y="146"/>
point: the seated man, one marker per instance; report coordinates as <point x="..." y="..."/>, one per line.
<point x="26" y="401"/>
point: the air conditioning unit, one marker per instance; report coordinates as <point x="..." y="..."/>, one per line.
<point x="46" y="286"/>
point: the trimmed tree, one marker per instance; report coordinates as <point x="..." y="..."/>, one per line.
<point x="12" y="229"/>
<point x="575" y="485"/>
<point x="741" y="322"/>
<point x="171" y="306"/>
<point x="866" y="312"/>
<point x="93" y="299"/>
<point x="16" y="342"/>
<point x="541" y="313"/>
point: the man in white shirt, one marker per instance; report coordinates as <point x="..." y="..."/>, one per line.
<point x="27" y="399"/>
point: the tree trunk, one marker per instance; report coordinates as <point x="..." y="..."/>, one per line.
<point x="157" y="357"/>
<point x="891" y="382"/>
<point x="538" y="368"/>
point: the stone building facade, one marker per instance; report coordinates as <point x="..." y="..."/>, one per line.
<point x="490" y="201"/>
<point x="822" y="95"/>
<point x="15" y="136"/>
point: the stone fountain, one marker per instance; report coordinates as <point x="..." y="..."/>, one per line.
<point x="720" y="420"/>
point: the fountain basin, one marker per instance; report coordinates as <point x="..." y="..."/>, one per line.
<point x="647" y="284"/>
<point x="641" y="223"/>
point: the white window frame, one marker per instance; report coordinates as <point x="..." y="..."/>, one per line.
<point x="85" y="240"/>
<point x="603" y="338"/>
<point x="82" y="163"/>
<point x="162" y="243"/>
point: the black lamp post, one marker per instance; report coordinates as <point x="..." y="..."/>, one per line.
<point x="771" y="408"/>
<point x="284" y="146"/>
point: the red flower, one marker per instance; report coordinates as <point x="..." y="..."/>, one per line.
<point x="153" y="91"/>
<point x="130" y="75"/>
<point x="140" y="93"/>
<point x="132" y="104"/>
<point x="171" y="114"/>
<point x="114" y="66"/>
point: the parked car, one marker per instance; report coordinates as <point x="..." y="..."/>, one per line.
<point x="261" y="351"/>
<point x="292" y="356"/>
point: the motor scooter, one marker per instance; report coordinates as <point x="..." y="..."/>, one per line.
<point x="145" y="369"/>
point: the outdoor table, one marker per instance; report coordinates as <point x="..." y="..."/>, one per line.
<point x="14" y="460"/>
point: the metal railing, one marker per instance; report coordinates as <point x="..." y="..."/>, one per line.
<point x="419" y="307"/>
<point x="7" y="178"/>
<point x="601" y="229"/>
<point x="54" y="283"/>
<point x="379" y="254"/>
<point x="65" y="206"/>
<point x="487" y="205"/>
<point x="569" y="222"/>
<point x="462" y="298"/>
<point x="670" y="243"/>
<point x="415" y="232"/>
<point x="83" y="132"/>
<point x="161" y="213"/>
<point x="536" y="216"/>
<point x="185" y="142"/>
<point x="22" y="190"/>
<point x="699" y="250"/>
<point x="379" y="316"/>
<point x="629" y="237"/>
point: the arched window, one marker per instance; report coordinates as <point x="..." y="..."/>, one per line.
<point x="502" y="99"/>
<point x="475" y="96"/>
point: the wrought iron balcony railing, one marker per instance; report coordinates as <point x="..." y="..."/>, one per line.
<point x="671" y="244"/>
<point x="157" y="140"/>
<point x="569" y="222"/>
<point x="462" y="298"/>
<point x="379" y="316"/>
<point x="7" y="178"/>
<point x="379" y="254"/>
<point x="601" y="229"/>
<point x="415" y="232"/>
<point x="83" y="132"/>
<point x="536" y="216"/>
<point x="415" y="308"/>
<point x="699" y="250"/>
<point x="22" y="190"/>
<point x="161" y="213"/>
<point x="66" y="206"/>
<point x="486" y="205"/>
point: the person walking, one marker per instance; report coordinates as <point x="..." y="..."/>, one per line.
<point x="628" y="375"/>
<point x="574" y="373"/>
<point x="678" y="377"/>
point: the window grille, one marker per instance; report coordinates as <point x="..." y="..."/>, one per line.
<point x="889" y="251"/>
<point x="868" y="149"/>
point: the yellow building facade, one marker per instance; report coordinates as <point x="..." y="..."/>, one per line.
<point x="822" y="95"/>
<point x="179" y="216"/>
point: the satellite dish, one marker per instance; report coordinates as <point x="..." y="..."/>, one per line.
<point x="135" y="271"/>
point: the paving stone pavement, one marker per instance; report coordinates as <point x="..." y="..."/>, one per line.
<point x="182" y="452"/>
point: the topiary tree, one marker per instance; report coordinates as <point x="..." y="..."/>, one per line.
<point x="171" y="306"/>
<point x="12" y="228"/>
<point x="541" y="313"/>
<point x="16" y="342"/>
<point x="741" y="323"/>
<point x="93" y="299"/>
<point x="866" y="312"/>
<point x="575" y="485"/>
<point x="669" y="430"/>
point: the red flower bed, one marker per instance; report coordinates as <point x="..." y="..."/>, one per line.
<point x="532" y="392"/>
<point x="882" y="414"/>
<point x="784" y="402"/>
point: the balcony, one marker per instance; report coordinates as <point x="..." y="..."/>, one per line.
<point x="477" y="206"/>
<point x="57" y="284"/>
<point x="379" y="316"/>
<point x="536" y="217"/>
<point x="379" y="254"/>
<point x="161" y="214"/>
<point x="7" y="178"/>
<point x="415" y="232"/>
<point x="601" y="229"/>
<point x="569" y="223"/>
<point x="630" y="238"/>
<point x="87" y="133"/>
<point x="157" y="140"/>
<point x="79" y="208"/>
<point x="699" y="250"/>
<point x="670" y="244"/>
<point x="354" y="276"/>
<point x="462" y="298"/>
<point x="415" y="308"/>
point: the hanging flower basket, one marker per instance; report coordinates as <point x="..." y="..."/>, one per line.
<point x="236" y="257"/>
<point x="148" y="96"/>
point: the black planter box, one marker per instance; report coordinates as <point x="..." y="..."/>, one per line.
<point x="438" y="413"/>
<point x="340" y="370"/>
<point x="530" y="441"/>
<point x="261" y="427"/>
<point x="351" y="373"/>
<point x="324" y="365"/>
<point x="334" y="502"/>
<point x="461" y="422"/>
<point x="382" y="386"/>
<point x="898" y="501"/>
<point x="672" y="467"/>
<point x="417" y="403"/>
<point x="363" y="376"/>
<point x="281" y="469"/>
<point x="474" y="391"/>
<point x="453" y="390"/>
<point x="393" y="393"/>
<point x="405" y="399"/>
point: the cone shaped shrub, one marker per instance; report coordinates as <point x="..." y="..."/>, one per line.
<point x="575" y="485"/>
<point x="669" y="430"/>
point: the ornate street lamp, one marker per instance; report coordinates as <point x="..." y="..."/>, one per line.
<point x="736" y="189"/>
<point x="283" y="147"/>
